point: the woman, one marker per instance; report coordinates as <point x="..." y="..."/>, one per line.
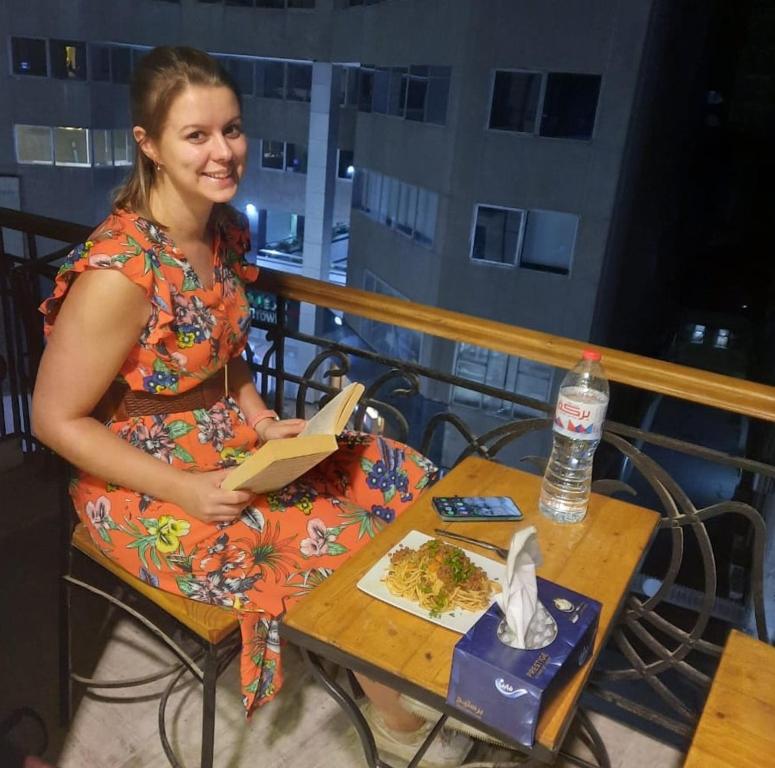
<point x="134" y="389"/>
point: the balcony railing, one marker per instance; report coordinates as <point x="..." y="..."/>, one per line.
<point x="705" y="570"/>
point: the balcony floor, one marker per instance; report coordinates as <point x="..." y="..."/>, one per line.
<point x="303" y="727"/>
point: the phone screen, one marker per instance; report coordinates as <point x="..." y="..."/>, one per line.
<point x="460" y="508"/>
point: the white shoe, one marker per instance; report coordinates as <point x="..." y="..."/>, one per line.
<point x="447" y="750"/>
<point x="432" y="715"/>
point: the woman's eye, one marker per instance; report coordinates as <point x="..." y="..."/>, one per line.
<point x="233" y="131"/>
<point x="195" y="135"/>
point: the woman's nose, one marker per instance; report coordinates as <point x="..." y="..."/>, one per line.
<point x="222" y="149"/>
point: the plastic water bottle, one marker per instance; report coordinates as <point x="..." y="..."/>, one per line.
<point x="578" y="426"/>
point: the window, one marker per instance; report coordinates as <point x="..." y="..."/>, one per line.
<point x="120" y="64"/>
<point x="344" y="167"/>
<point x="246" y="3"/>
<point x="427" y="210"/>
<point x="389" y="339"/>
<point x="418" y="93"/>
<point x="348" y="87"/>
<point x="365" y="89"/>
<point x="497" y="234"/>
<point x="33" y="144"/>
<point x="301" y="3"/>
<point x="549" y="240"/>
<point x="515" y="101"/>
<point x="554" y="104"/>
<point x="101" y="147"/>
<point x="399" y="77"/>
<point x="273" y="154"/>
<point x="416" y="90"/>
<point x="409" y="209"/>
<point x="71" y="146"/>
<point x="270" y="79"/>
<point x="299" y="82"/>
<point x="241" y="71"/>
<point x="502" y="371"/>
<point x="570" y="105"/>
<point x="123" y="146"/>
<point x="99" y="62"/>
<point x="68" y="59"/>
<point x="542" y="240"/>
<point x="29" y="56"/>
<point x="296" y="158"/>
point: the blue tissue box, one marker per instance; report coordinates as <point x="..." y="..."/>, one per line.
<point x="505" y="687"/>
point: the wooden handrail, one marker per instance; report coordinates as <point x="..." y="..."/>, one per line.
<point x="726" y="392"/>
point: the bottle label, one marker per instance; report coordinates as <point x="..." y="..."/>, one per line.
<point x="579" y="418"/>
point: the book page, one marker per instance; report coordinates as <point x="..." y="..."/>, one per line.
<point x="332" y="418"/>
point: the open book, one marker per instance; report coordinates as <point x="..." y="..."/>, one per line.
<point x="279" y="462"/>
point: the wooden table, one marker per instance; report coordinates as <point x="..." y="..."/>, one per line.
<point x="737" y="727"/>
<point x="596" y="557"/>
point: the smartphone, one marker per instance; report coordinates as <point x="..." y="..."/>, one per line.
<point x="462" y="508"/>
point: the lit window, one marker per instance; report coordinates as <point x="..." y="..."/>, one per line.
<point x="427" y="209"/>
<point x="273" y="154"/>
<point x="68" y="60"/>
<point x="501" y="371"/>
<point x="123" y="146"/>
<point x="549" y="240"/>
<point x="407" y="209"/>
<point x="71" y="146"/>
<point x="345" y="168"/>
<point x="722" y="338"/>
<point x="29" y="56"/>
<point x="498" y="234"/>
<point x="33" y="144"/>
<point x="102" y="147"/>
<point x="698" y="334"/>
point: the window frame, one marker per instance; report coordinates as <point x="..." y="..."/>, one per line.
<point x="534" y="267"/>
<point x="11" y="68"/>
<point x="268" y="168"/>
<point x="88" y="163"/>
<point x="520" y="240"/>
<point x="16" y="144"/>
<point x="536" y="132"/>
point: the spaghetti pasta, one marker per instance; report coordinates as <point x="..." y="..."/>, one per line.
<point x="440" y="577"/>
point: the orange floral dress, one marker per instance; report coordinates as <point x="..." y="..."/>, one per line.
<point x="284" y="543"/>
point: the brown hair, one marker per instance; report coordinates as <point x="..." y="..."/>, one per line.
<point x="160" y="77"/>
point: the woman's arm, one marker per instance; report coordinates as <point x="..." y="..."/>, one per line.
<point x="97" y="326"/>
<point x="244" y="392"/>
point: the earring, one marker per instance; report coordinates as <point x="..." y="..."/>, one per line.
<point x="157" y="166"/>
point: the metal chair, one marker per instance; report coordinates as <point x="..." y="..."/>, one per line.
<point x="214" y="630"/>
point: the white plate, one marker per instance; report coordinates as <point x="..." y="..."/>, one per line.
<point x="458" y="620"/>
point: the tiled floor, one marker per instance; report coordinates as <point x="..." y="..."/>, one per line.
<point x="303" y="728"/>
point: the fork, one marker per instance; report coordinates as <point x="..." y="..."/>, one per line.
<point x="500" y="551"/>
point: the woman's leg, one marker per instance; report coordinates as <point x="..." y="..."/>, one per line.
<point x="387" y="702"/>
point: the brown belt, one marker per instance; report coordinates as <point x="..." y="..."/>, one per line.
<point x="121" y="403"/>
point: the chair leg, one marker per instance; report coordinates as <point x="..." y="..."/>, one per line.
<point x="65" y="654"/>
<point x="208" y="706"/>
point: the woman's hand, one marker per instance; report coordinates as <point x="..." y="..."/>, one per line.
<point x="203" y="498"/>
<point x="269" y="429"/>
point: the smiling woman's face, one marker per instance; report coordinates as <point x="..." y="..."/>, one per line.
<point x="202" y="149"/>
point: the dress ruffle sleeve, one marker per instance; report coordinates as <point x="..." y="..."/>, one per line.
<point x="116" y="244"/>
<point x="236" y="238"/>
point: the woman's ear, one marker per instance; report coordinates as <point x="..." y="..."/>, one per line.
<point x="145" y="144"/>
